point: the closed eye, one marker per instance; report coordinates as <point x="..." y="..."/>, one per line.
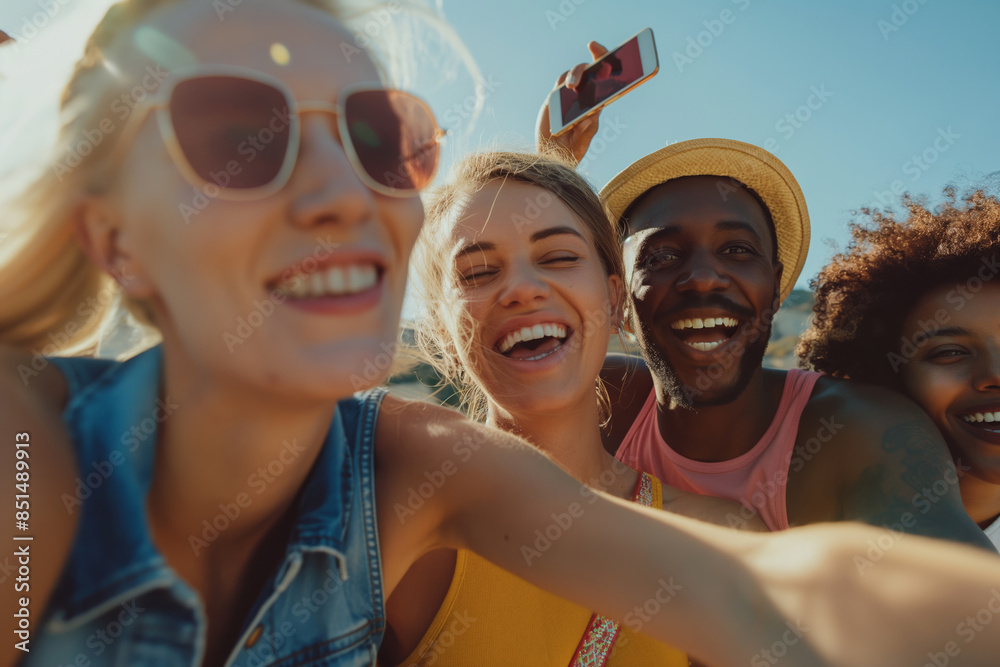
<point x="475" y="276"/>
<point x="561" y="259"/>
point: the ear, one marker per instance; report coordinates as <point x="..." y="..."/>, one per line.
<point x="98" y="229"/>
<point x="779" y="268"/>
<point x="616" y="295"/>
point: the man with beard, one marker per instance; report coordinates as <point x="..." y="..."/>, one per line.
<point x="715" y="235"/>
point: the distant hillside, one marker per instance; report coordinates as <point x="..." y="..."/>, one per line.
<point x="790" y="322"/>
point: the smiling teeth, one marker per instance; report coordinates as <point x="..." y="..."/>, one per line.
<point x="979" y="417"/>
<point x="334" y="281"/>
<point x="531" y="333"/>
<point x="706" y="323"/>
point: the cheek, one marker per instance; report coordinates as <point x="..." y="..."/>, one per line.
<point x="933" y="388"/>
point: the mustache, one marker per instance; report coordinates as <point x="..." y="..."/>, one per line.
<point x="713" y="301"/>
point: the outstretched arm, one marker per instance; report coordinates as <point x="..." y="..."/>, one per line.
<point x="797" y="593"/>
<point x="508" y="502"/>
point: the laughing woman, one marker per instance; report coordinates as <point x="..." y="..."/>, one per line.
<point x="915" y="305"/>
<point x="522" y="273"/>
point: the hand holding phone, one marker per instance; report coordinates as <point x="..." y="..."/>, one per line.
<point x="576" y="140"/>
<point x="613" y="75"/>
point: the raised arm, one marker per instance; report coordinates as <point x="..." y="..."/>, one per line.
<point x="30" y="423"/>
<point x="574" y="142"/>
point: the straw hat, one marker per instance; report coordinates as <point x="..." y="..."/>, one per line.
<point x="753" y="166"/>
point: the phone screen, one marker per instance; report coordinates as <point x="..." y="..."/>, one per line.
<point x="614" y="73"/>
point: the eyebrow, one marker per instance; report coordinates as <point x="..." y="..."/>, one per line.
<point x="721" y="226"/>
<point x="949" y="331"/>
<point x="738" y="226"/>
<point x="555" y="231"/>
<point x="484" y="246"/>
<point x="475" y="247"/>
<point x="724" y="226"/>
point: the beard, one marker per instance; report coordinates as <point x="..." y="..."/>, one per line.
<point x="707" y="389"/>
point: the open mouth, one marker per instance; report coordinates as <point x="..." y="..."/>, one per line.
<point x="988" y="420"/>
<point x="333" y="281"/>
<point x="705" y="333"/>
<point x="534" y="342"/>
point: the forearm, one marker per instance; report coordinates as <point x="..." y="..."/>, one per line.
<point x="865" y="602"/>
<point x="675" y="579"/>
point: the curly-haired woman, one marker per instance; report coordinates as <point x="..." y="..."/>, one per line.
<point x="914" y="304"/>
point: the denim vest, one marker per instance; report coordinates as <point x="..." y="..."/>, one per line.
<point x="119" y="603"/>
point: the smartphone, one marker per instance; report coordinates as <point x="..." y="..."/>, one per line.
<point x="616" y="73"/>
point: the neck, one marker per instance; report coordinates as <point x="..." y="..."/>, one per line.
<point x="720" y="432"/>
<point x="981" y="499"/>
<point x="572" y="437"/>
<point x="224" y="449"/>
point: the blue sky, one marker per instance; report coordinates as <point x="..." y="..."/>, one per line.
<point x="921" y="84"/>
<point x="903" y="93"/>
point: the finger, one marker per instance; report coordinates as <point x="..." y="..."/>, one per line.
<point x="596" y="50"/>
<point x="561" y="79"/>
<point x="590" y="129"/>
<point x="575" y="74"/>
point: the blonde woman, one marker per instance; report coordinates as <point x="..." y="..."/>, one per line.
<point x="522" y="274"/>
<point x="231" y="516"/>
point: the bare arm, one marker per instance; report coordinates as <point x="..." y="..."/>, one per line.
<point x="799" y="588"/>
<point x="897" y="472"/>
<point x="505" y="500"/>
<point x="48" y="473"/>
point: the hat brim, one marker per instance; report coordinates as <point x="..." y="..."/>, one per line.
<point x="750" y="165"/>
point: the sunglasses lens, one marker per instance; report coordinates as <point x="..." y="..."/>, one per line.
<point x="233" y="132"/>
<point x="394" y="136"/>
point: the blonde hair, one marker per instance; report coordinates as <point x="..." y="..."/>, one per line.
<point x="437" y="345"/>
<point x="53" y="298"/>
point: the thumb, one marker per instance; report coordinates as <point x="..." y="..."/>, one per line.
<point x="596" y="50"/>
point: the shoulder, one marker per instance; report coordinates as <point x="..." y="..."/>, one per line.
<point x="859" y="410"/>
<point x="418" y="434"/>
<point x="405" y="425"/>
<point x="628" y="383"/>
<point x="32" y="378"/>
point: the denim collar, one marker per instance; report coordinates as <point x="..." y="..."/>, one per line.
<point x="114" y="419"/>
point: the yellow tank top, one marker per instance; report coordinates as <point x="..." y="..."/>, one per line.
<point x="493" y="618"/>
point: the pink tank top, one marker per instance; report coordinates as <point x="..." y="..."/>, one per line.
<point x="756" y="479"/>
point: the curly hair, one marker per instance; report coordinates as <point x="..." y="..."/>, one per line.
<point x="864" y="295"/>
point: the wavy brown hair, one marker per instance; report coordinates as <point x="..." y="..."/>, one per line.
<point x="864" y="295"/>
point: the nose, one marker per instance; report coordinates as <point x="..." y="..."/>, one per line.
<point x="523" y="286"/>
<point x="701" y="274"/>
<point x="986" y="376"/>
<point x="325" y="187"/>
